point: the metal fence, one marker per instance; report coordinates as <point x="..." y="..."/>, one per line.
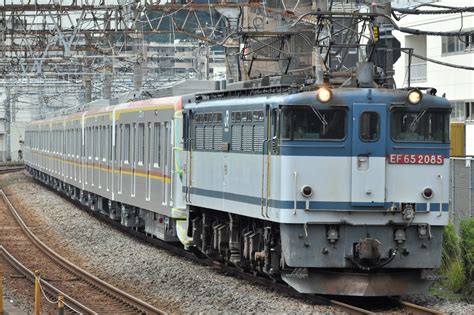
<point x="461" y="194"/>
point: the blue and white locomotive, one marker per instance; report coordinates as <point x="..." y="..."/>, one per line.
<point x="333" y="190"/>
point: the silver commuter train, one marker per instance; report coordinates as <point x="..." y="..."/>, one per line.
<point x="336" y="191"/>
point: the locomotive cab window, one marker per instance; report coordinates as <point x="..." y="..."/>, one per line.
<point x="309" y="123"/>
<point x="369" y="127"/>
<point x="427" y="125"/>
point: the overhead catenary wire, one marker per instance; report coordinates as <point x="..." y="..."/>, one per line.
<point x="430" y="33"/>
<point x="448" y="10"/>
<point x="447" y="64"/>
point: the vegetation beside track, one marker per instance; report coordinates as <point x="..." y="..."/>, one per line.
<point x="457" y="265"/>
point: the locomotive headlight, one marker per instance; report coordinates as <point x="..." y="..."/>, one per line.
<point x="414" y="97"/>
<point x="324" y="94"/>
<point x="307" y="191"/>
<point x="427" y="193"/>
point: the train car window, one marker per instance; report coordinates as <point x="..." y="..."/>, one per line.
<point x="126" y="141"/>
<point x="217" y="117"/>
<point x="236" y="117"/>
<point x="206" y="118"/>
<point x="105" y="152"/>
<point x="157" y="145"/>
<point x="96" y="141"/>
<point x="257" y="116"/>
<point x="99" y="141"/>
<point x="369" y="127"/>
<point x="79" y="141"/>
<point x="424" y="126"/>
<point x="244" y="117"/>
<point x="150" y="148"/>
<point x="110" y="147"/>
<point x="307" y="123"/>
<point x="133" y="147"/>
<point x="249" y="116"/>
<point x="141" y="143"/>
<point x="86" y="143"/>
<point x="118" y="129"/>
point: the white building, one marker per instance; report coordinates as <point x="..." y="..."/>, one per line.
<point x="457" y="84"/>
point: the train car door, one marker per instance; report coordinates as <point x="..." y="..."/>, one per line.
<point x="226" y="147"/>
<point x="368" y="154"/>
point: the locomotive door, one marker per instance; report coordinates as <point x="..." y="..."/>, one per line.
<point x="368" y="154"/>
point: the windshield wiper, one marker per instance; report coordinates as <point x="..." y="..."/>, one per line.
<point x="320" y="116"/>
<point x="415" y="121"/>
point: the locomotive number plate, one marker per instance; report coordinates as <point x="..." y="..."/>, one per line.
<point x="433" y="159"/>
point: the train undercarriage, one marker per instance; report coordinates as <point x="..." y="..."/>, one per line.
<point x="250" y="244"/>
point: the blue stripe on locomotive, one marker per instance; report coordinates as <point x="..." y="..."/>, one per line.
<point x="301" y="205"/>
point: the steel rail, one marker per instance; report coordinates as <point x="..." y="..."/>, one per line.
<point x="86" y="276"/>
<point x="411" y="308"/>
<point x="71" y="303"/>
<point x="350" y="309"/>
<point x="5" y="170"/>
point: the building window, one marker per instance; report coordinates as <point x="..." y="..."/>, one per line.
<point x="469" y="107"/>
<point x="457" y="44"/>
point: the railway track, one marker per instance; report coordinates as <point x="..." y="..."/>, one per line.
<point x="381" y="305"/>
<point x="4" y="169"/>
<point x="391" y="305"/>
<point x="411" y="308"/>
<point x="83" y="292"/>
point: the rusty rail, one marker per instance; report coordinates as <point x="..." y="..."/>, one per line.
<point x="11" y="169"/>
<point x="86" y="276"/>
<point x="411" y="308"/>
<point x="70" y="302"/>
<point x="350" y="309"/>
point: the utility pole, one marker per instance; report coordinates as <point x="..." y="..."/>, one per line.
<point x="7" y="145"/>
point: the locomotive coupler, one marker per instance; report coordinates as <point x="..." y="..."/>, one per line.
<point x="408" y="213"/>
<point x="368" y="249"/>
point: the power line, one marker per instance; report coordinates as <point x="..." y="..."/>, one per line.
<point x="450" y="10"/>
<point x="429" y="33"/>
<point x="447" y="64"/>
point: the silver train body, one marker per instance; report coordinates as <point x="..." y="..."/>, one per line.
<point x="348" y="196"/>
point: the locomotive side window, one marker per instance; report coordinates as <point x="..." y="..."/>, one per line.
<point x="308" y="123"/>
<point x="369" y="127"/>
<point x="424" y="126"/>
<point x="236" y="117"/>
